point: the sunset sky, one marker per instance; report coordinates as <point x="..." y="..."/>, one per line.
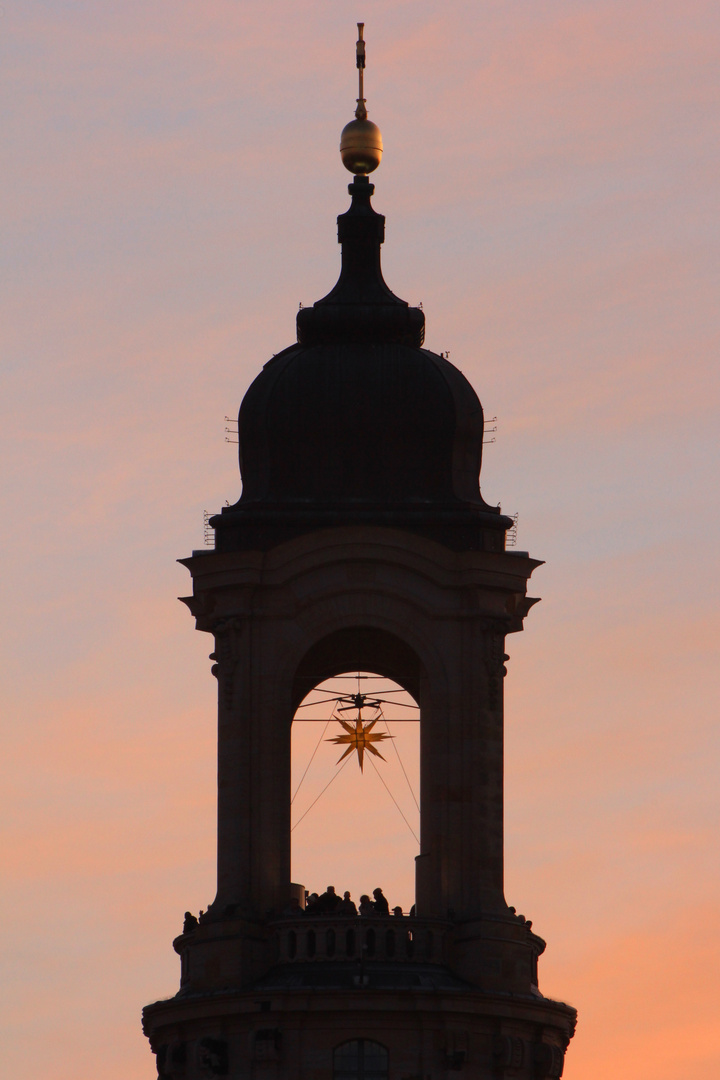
<point x="169" y="192"/>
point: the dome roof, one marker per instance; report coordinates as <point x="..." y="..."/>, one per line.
<point x="357" y="423"/>
<point x="377" y="423"/>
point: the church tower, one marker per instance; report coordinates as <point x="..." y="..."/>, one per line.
<point x="361" y="542"/>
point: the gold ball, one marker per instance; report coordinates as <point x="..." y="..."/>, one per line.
<point x="361" y="146"/>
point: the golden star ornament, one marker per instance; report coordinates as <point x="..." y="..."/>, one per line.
<point x="360" y="738"/>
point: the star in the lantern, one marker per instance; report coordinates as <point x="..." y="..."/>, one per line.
<point x="359" y="738"/>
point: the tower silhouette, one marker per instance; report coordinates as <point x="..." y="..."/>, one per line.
<point x="361" y="542"/>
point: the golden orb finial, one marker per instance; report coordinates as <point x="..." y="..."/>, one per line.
<point x="361" y="142"/>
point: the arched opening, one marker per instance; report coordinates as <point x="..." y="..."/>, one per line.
<point x="355" y="791"/>
<point x="360" y="1059"/>
<point x="361" y="648"/>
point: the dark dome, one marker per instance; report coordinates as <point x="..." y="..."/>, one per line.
<point x="379" y="424"/>
<point x="357" y="423"/>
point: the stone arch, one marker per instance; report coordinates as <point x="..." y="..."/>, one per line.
<point x="357" y="584"/>
<point x="362" y="648"/>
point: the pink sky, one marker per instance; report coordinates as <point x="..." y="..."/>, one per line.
<point x="169" y="192"/>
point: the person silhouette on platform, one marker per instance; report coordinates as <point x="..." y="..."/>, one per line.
<point x="381" y="905"/>
<point x="346" y="906"/>
<point x="190" y="923"/>
<point x="366" y="905"/>
<point x="328" y="903"/>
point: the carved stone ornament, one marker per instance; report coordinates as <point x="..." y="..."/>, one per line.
<point x="494" y="658"/>
<point x="509" y="1051"/>
<point x="227" y="638"/>
<point x="171" y="1061"/>
<point x="161" y="1061"/>
<point x="212" y="1057"/>
<point x="549" y="1061"/>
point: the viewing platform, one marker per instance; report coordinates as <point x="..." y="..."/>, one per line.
<point x="323" y="938"/>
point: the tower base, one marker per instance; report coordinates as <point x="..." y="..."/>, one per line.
<point x="344" y="988"/>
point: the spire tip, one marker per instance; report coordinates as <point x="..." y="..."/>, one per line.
<point x="361" y="141"/>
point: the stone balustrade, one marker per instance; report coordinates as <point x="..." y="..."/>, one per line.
<point x="314" y="938"/>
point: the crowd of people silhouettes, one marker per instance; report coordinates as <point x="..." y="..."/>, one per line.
<point x="330" y="903"/>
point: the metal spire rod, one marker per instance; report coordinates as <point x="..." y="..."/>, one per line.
<point x="361" y="111"/>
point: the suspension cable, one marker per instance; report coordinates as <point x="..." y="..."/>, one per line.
<point x="394" y="743"/>
<point x="334" y="777"/>
<point x="310" y="761"/>
<point x="322" y="701"/>
<point x="394" y="800"/>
